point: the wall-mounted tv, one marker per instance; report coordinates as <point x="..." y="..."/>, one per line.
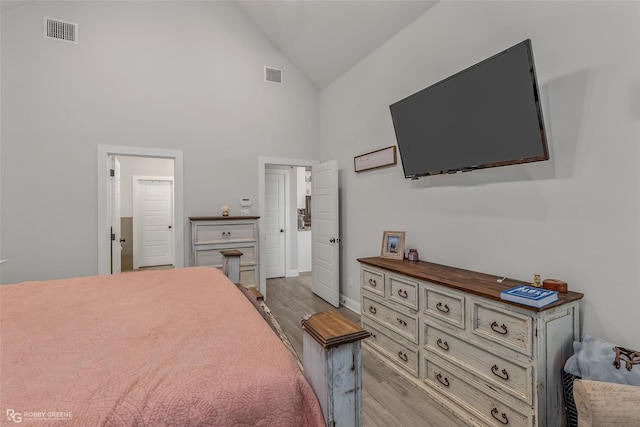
<point x="485" y="116"/>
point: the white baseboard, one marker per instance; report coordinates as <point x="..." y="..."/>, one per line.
<point x="349" y="303"/>
<point x="293" y="273"/>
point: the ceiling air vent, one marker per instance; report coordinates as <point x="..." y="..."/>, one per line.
<point x="60" y="30"/>
<point x="272" y="75"/>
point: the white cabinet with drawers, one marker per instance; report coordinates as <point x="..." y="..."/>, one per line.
<point x="210" y="235"/>
<point x="488" y="361"/>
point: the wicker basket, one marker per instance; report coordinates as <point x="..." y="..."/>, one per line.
<point x="569" y="403"/>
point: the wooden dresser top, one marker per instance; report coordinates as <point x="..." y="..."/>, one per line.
<point x="221" y="218"/>
<point x="481" y="284"/>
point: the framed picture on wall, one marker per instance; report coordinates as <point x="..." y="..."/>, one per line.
<point x="392" y="245"/>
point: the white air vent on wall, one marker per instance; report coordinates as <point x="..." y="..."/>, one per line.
<point x="60" y="30"/>
<point x="272" y="75"/>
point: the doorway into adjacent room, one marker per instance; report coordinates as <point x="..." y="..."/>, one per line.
<point x="143" y="213"/>
<point x="140" y="212"/>
<point x="291" y="242"/>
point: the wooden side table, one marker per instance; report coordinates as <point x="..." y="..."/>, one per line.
<point x="333" y="366"/>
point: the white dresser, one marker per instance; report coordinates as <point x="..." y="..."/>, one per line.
<point x="210" y="235"/>
<point x="488" y="361"/>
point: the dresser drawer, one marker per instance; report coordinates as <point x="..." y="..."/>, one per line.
<point x="224" y="232"/>
<point x="405" y="355"/>
<point x="403" y="291"/>
<point x="402" y="324"/>
<point x="510" y="377"/>
<point x="443" y="304"/>
<point x="206" y="255"/>
<point x="488" y="408"/>
<point x="504" y="327"/>
<point x="373" y="281"/>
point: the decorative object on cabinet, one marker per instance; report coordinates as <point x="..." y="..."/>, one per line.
<point x="555" y="285"/>
<point x="537" y="282"/>
<point x="375" y="159"/>
<point x="212" y="234"/>
<point x="392" y="245"/>
<point x="529" y="295"/>
<point x="490" y="362"/>
<point x="225" y="211"/>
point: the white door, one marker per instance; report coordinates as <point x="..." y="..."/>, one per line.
<point x="116" y="243"/>
<point x="325" y="228"/>
<point x="274" y="244"/>
<point x="153" y="222"/>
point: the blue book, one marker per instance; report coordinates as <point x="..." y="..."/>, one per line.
<point x="529" y="295"/>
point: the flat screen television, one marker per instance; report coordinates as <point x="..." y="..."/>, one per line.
<point x="484" y="116"/>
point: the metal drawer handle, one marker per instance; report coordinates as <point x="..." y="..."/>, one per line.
<point x="402" y="293"/>
<point x="372" y="309"/>
<point x="403" y="356"/>
<point x="443" y="344"/>
<point x="372" y="283"/>
<point x="504" y="376"/>
<point x="440" y="306"/>
<point x="402" y="322"/>
<point x="226" y="234"/>
<point x="495" y="411"/>
<point x="443" y="380"/>
<point x="503" y="329"/>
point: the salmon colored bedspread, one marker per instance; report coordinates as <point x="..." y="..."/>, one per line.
<point x="177" y="347"/>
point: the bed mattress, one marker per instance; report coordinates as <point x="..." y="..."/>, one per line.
<point x="175" y="347"/>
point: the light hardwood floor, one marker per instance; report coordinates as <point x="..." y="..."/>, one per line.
<point x="388" y="399"/>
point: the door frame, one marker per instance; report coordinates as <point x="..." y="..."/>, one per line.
<point x="138" y="240"/>
<point x="115" y="196"/>
<point x="103" y="229"/>
<point x="263" y="162"/>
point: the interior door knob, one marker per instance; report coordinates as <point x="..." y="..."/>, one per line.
<point x="169" y="226"/>
<point x="282" y="230"/>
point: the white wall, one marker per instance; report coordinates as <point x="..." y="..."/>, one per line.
<point x="575" y="217"/>
<point x="161" y="74"/>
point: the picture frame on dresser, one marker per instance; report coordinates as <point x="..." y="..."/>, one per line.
<point x="392" y="245"/>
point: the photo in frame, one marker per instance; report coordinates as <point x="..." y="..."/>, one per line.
<point x="392" y="245"/>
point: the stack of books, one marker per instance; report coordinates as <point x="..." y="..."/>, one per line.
<point x="529" y="295"/>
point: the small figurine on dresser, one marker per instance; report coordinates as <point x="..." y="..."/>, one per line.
<point x="225" y="211"/>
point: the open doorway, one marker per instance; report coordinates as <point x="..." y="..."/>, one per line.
<point x="146" y="212"/>
<point x="287" y="221"/>
<point x="325" y="239"/>
<point x="159" y="172"/>
<point x="279" y="200"/>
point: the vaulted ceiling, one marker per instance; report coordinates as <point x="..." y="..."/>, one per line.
<point x="323" y="38"/>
